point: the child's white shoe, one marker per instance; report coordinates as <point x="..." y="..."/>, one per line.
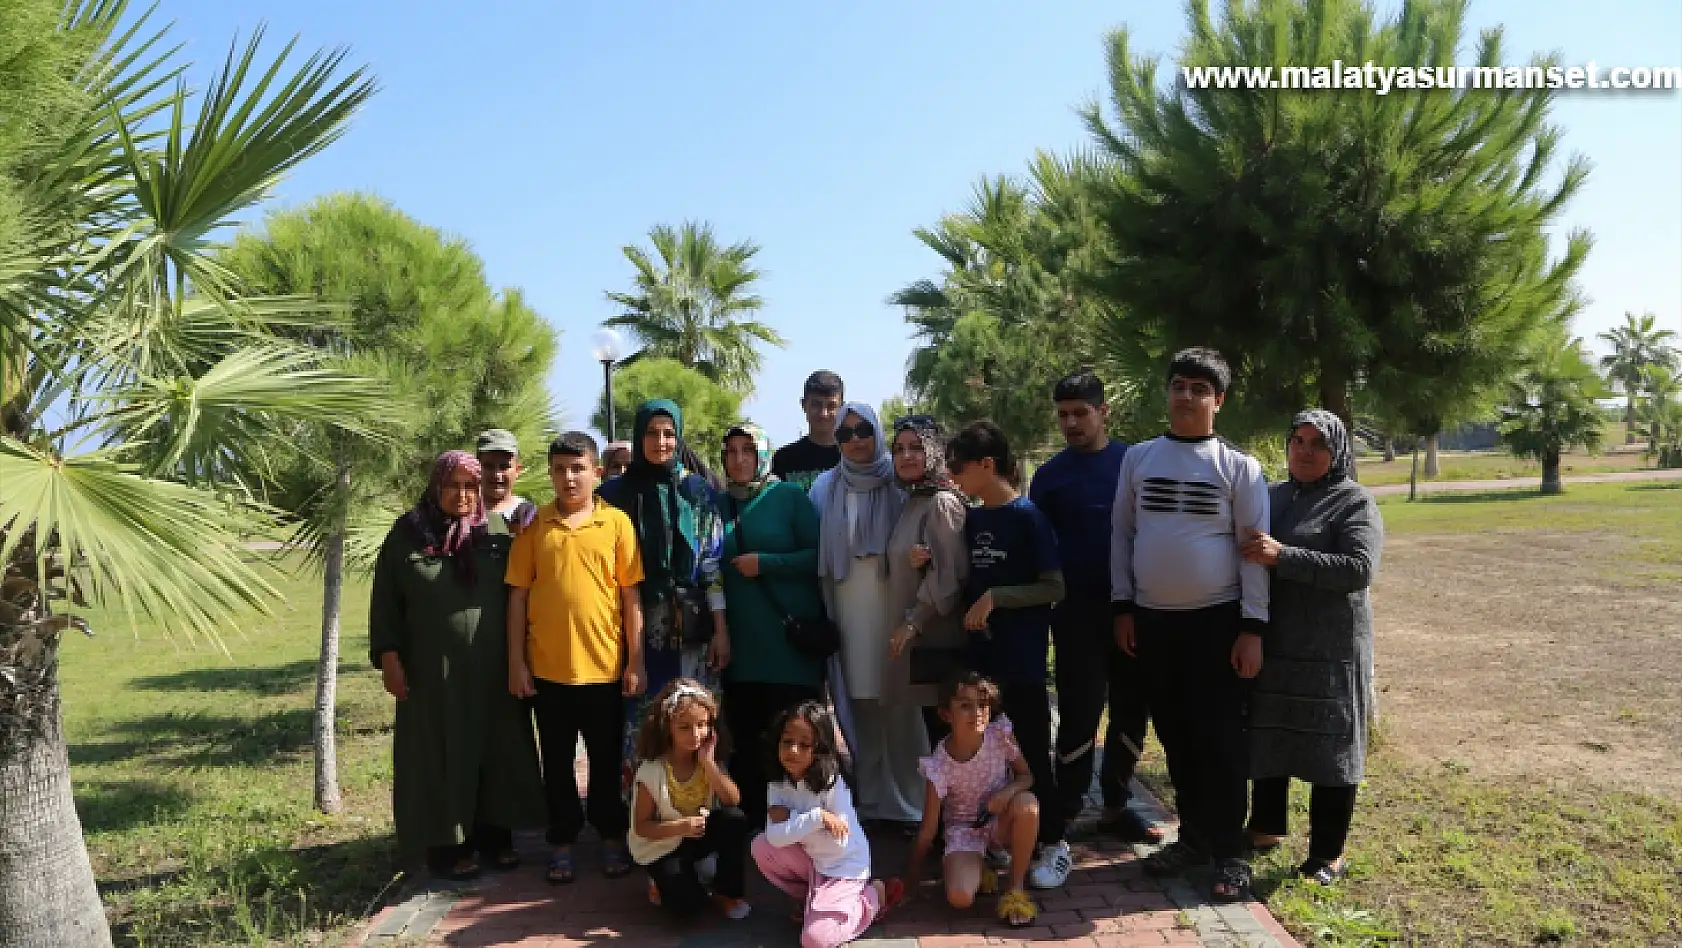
<point x="733" y="909"/>
<point x="1052" y="868"/>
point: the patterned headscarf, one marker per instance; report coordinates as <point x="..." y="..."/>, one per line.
<point x="935" y="476"/>
<point x="762" y="476"/>
<point x="878" y="499"/>
<point x="439" y="533"/>
<point x="1331" y="428"/>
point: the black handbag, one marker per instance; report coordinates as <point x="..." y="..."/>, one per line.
<point x="812" y="636"/>
<point x="933" y="664"/>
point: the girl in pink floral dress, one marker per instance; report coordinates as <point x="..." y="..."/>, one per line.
<point x="978" y="780"/>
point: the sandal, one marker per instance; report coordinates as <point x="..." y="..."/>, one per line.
<point x="893" y="895"/>
<point x="461" y="870"/>
<point x="1131" y="826"/>
<point x="616" y="859"/>
<point x="1232" y="881"/>
<point x="1016" y="909"/>
<point x="1323" y="873"/>
<point x="1262" y="842"/>
<point x="560" y="871"/>
<point x="1173" y="860"/>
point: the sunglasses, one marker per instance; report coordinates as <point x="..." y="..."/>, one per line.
<point x="863" y="429"/>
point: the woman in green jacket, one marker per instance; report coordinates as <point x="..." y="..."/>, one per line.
<point x="770" y="569"/>
<point x="464" y="764"/>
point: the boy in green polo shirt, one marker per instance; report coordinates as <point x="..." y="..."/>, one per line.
<point x="575" y="647"/>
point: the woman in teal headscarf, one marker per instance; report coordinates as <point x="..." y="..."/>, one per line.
<point x="769" y="565"/>
<point x="678" y="533"/>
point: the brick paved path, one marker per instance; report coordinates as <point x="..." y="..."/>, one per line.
<point x="1108" y="903"/>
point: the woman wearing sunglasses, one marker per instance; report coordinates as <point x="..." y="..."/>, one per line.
<point x="858" y="505"/>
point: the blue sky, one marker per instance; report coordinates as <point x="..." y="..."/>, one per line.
<point x="551" y="134"/>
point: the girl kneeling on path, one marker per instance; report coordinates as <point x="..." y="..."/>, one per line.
<point x="979" y="777"/>
<point x="813" y="847"/>
<point x="684" y="806"/>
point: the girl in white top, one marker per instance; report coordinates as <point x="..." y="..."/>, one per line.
<point x="684" y="807"/>
<point x="813" y="847"/>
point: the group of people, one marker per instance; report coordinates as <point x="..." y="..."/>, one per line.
<point x="856" y="631"/>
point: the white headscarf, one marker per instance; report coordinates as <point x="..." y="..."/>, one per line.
<point x="875" y="494"/>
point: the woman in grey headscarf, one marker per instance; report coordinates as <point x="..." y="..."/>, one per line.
<point x="858" y="504"/>
<point x="1311" y="705"/>
<point x="927" y="561"/>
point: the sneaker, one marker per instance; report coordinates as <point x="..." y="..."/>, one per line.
<point x="733" y="909"/>
<point x="1051" y="869"/>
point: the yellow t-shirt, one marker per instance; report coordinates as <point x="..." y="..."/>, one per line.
<point x="573" y="621"/>
<point x="688" y="796"/>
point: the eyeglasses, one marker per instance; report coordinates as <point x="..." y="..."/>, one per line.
<point x="863" y="429"/>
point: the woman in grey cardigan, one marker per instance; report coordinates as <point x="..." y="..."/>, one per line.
<point x="1311" y="705"/>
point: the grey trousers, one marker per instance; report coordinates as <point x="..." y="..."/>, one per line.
<point x="890" y="740"/>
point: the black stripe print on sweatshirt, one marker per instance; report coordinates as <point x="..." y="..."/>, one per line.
<point x="1167" y="495"/>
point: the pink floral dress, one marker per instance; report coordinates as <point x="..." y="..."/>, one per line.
<point x="964" y="786"/>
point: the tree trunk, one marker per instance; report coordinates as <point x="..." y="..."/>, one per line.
<point x="48" y="898"/>
<point x="1413" y="475"/>
<point x="1334" y="397"/>
<point x="1389" y="449"/>
<point x="1431" y="467"/>
<point x="327" y="670"/>
<point x="1629" y="418"/>
<point x="1550" y="473"/>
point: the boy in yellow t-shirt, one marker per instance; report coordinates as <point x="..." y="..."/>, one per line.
<point x="575" y="647"/>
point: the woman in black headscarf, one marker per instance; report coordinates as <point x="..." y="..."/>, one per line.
<point x="1312" y="701"/>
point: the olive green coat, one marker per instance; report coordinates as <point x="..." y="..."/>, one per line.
<point x="462" y="748"/>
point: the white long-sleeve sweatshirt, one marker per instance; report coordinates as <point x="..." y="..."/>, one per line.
<point x="1182" y="507"/>
<point x="830" y="857"/>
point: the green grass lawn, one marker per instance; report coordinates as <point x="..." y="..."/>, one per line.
<point x="193" y="775"/>
<point x="1492" y="465"/>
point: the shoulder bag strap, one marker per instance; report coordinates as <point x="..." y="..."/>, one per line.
<point x="742" y="546"/>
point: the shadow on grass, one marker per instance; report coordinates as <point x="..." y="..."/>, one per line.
<point x="204" y="740"/>
<point x="1658" y="485"/>
<point x="271" y="893"/>
<point x="1481" y="497"/>
<point x="104" y="806"/>
<point x="257" y="680"/>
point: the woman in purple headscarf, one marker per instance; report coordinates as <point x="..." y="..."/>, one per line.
<point x="464" y="764"/>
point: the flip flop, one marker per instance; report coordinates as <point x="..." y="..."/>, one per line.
<point x="893" y="895"/>
<point x="560" y="871"/>
<point x="1131" y="826"/>
<point x="1232" y="881"/>
<point x="616" y="859"/>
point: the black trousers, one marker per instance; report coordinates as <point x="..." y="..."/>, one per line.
<point x="1330" y="811"/>
<point x="1199" y="702"/>
<point x="748" y="710"/>
<point x="1093" y="672"/>
<point x="1029" y="708"/>
<point x="486" y="841"/>
<point x="727" y="836"/>
<point x="598" y="712"/>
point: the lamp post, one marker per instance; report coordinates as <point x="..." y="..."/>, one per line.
<point x="607" y="349"/>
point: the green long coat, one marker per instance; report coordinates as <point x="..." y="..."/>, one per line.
<point x="462" y="749"/>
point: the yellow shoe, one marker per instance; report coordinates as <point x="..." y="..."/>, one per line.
<point x="1017" y="910"/>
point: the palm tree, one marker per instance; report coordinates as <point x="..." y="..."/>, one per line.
<point x="1660" y="414"/>
<point x="1551" y="404"/>
<point x="690" y="302"/>
<point x="1637" y="344"/>
<point x="133" y="374"/>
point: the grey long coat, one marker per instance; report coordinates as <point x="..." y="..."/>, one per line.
<point x="1312" y="701"/>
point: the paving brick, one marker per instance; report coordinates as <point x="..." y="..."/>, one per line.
<point x="952" y="941"/>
